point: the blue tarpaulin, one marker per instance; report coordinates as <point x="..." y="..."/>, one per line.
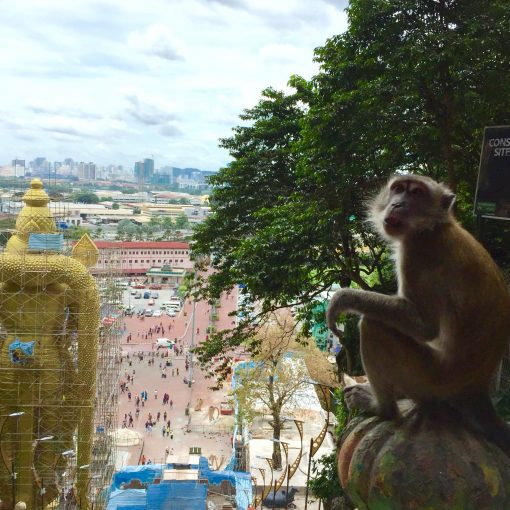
<point x="46" y="242"/>
<point x="174" y="494"/>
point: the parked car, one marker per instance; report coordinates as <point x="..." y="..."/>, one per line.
<point x="151" y="302"/>
<point x="130" y="311"/>
<point x="155" y="286"/>
<point x="157" y="313"/>
<point x="146" y="295"/>
<point x="154" y="295"/>
<point x="139" y="286"/>
<point x="133" y="292"/>
<point x="148" y="312"/>
<point x="138" y="295"/>
<point x="170" y="313"/>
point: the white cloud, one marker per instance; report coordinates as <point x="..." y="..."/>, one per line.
<point x="112" y="81"/>
<point x="156" y="40"/>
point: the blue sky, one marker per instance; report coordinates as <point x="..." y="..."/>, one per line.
<point x="116" y="81"/>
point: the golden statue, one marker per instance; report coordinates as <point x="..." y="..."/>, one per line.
<point x="49" y="323"/>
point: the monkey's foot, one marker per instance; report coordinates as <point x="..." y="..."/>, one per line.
<point x="360" y="397"/>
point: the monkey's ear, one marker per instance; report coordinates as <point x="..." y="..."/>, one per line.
<point x="447" y="200"/>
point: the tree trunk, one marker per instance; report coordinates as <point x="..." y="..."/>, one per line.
<point x="277" y="453"/>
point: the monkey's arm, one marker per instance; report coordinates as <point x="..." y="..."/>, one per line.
<point x="394" y="311"/>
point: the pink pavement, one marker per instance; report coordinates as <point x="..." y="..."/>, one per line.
<point x="194" y="429"/>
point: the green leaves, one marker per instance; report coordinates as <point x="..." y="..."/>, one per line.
<point x="408" y="87"/>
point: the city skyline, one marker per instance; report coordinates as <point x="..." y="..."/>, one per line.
<point x="116" y="82"/>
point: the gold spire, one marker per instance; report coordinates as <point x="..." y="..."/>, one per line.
<point x="34" y="217"/>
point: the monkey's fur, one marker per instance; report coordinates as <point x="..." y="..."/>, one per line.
<point x="442" y="337"/>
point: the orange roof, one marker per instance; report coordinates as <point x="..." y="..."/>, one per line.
<point x="154" y="245"/>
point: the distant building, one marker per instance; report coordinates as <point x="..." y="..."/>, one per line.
<point x="166" y="259"/>
<point x="144" y="171"/>
<point x="87" y="171"/>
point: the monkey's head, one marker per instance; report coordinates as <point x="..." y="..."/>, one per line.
<point x="410" y="203"/>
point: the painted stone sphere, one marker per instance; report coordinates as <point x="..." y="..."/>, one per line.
<point x="427" y="461"/>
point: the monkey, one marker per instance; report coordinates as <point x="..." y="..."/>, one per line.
<point x="441" y="338"/>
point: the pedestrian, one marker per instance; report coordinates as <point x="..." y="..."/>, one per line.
<point x="144" y="460"/>
<point x="137" y="413"/>
<point x="171" y="404"/>
<point x="163" y="430"/>
<point x="158" y="416"/>
<point x="129" y="396"/>
<point x="164" y="416"/>
<point x="155" y="394"/>
<point x="177" y="371"/>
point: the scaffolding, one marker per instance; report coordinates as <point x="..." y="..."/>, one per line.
<point x="59" y="364"/>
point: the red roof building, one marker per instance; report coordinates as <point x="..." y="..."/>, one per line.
<point x="137" y="257"/>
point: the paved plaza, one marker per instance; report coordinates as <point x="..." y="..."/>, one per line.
<point x="158" y="374"/>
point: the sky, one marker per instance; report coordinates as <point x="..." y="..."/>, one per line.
<point x="117" y="81"/>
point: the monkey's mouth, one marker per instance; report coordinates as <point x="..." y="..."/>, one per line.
<point x="392" y="222"/>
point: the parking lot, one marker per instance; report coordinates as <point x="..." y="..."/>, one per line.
<point x="142" y="303"/>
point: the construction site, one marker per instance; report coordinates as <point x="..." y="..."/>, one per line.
<point x="59" y="361"/>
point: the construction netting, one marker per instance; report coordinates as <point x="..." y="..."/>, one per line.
<point x="55" y="421"/>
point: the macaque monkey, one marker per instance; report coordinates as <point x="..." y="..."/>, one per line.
<point x="441" y="338"/>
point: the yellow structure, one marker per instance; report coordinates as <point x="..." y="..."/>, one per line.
<point x="49" y="331"/>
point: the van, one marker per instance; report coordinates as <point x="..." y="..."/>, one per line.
<point x="171" y="305"/>
<point x="146" y="295"/>
<point x="164" y="342"/>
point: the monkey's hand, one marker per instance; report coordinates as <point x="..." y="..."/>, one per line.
<point x="394" y="311"/>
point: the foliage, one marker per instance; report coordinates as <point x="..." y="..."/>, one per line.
<point x="324" y="483"/>
<point x="75" y="233"/>
<point x="181" y="222"/>
<point x="408" y="87"/>
<point x="272" y="381"/>
<point x="115" y="206"/>
<point x="84" y="197"/>
<point x="6" y="226"/>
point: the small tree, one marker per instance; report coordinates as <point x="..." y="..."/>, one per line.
<point x="272" y="381"/>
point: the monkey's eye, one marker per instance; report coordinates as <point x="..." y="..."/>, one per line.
<point x="398" y="188"/>
<point x="417" y="191"/>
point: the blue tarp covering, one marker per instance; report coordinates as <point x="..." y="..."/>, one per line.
<point x="145" y="474"/>
<point x="177" y="495"/>
<point x="174" y="495"/>
<point x="46" y="242"/>
<point x="131" y="499"/>
<point x="240" y="480"/>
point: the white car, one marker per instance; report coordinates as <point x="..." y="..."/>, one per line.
<point x="164" y="342"/>
<point x="157" y="313"/>
<point x="170" y="312"/>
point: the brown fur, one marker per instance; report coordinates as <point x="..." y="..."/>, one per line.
<point x="442" y="337"/>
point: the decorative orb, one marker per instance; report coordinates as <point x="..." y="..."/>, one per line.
<point x="427" y="461"/>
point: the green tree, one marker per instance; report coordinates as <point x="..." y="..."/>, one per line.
<point x="272" y="382"/>
<point x="409" y="86"/>
<point x="181" y="222"/>
<point x="115" y="206"/>
<point x="126" y="229"/>
<point x="7" y="226"/>
<point x="76" y="233"/>
<point x="84" y="197"/>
